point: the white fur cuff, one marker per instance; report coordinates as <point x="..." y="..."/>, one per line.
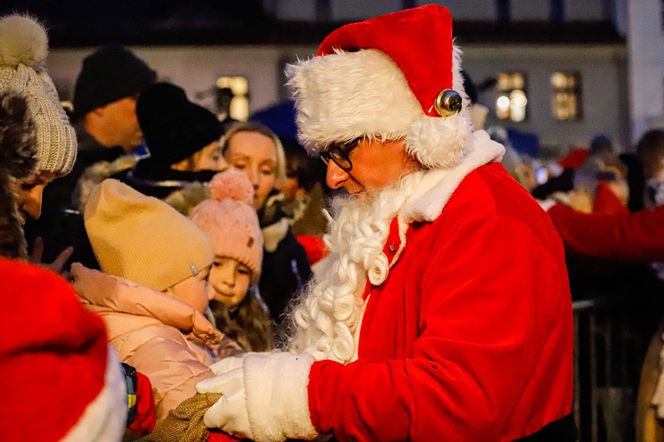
<point x="277" y="398"/>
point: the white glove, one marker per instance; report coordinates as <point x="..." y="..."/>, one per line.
<point x="228" y="364"/>
<point x="265" y="398"/>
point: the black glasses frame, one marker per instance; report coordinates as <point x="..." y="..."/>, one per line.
<point x="339" y="153"/>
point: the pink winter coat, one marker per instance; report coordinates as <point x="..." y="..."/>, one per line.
<point x="161" y="336"/>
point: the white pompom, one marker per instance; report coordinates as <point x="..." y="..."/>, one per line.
<point x="22" y="40"/>
<point x="438" y="142"/>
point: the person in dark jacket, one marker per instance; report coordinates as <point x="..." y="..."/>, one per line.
<point x="182" y="138"/>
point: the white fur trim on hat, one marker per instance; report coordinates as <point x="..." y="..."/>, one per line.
<point x="105" y="418"/>
<point x="346" y="95"/>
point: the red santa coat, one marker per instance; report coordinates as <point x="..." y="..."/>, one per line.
<point x="470" y="337"/>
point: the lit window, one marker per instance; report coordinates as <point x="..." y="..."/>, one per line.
<point x="233" y="97"/>
<point x="512" y="101"/>
<point x="566" y="96"/>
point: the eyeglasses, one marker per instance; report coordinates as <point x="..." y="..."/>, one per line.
<point x="339" y="153"/>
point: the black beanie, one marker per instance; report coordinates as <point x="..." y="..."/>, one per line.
<point x="173" y="127"/>
<point x="109" y="74"/>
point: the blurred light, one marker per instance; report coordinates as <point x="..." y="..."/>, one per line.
<point x="503" y="102"/>
<point x="541" y="175"/>
<point x="239" y="85"/>
<point x="240" y="108"/>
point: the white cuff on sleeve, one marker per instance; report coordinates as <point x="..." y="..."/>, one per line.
<point x="277" y="396"/>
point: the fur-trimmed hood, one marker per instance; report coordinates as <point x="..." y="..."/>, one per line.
<point x="97" y="173"/>
<point x="17" y="161"/>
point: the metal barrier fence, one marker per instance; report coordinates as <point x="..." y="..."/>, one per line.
<point x="611" y="339"/>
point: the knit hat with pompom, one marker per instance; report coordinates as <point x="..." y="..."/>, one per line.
<point x="230" y="221"/>
<point x="23" y="50"/>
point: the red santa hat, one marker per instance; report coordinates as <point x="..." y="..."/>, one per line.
<point x="397" y="76"/>
<point x="60" y="381"/>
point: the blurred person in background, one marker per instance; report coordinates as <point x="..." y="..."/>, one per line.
<point x="108" y="134"/>
<point x="182" y="139"/>
<point x="600" y="185"/>
<point x="650" y="149"/>
<point x="257" y="151"/>
<point x="650" y="405"/>
<point x="305" y="199"/>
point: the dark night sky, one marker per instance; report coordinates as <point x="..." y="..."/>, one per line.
<point x="150" y="22"/>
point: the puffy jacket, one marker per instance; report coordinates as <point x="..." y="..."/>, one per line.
<point x="161" y="336"/>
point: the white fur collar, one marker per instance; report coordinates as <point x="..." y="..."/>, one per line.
<point x="274" y="233"/>
<point x="429" y="198"/>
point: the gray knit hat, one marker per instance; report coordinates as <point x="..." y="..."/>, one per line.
<point x="23" y="50"/>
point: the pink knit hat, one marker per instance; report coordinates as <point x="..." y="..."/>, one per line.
<point x="230" y="222"/>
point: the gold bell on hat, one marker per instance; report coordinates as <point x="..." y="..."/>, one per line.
<point x="448" y="103"/>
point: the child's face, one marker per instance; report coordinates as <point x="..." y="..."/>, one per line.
<point x="229" y="281"/>
<point x="193" y="290"/>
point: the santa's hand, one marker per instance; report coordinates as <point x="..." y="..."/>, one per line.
<point x="230" y="411"/>
<point x="228" y="364"/>
<point x="264" y="399"/>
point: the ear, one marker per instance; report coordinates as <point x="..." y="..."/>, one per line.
<point x="98" y="112"/>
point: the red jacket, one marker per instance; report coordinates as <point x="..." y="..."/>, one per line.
<point x="636" y="236"/>
<point x="470" y="338"/>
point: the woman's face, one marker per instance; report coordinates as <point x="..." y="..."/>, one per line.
<point x="256" y="155"/>
<point x="229" y="281"/>
<point x="29" y="192"/>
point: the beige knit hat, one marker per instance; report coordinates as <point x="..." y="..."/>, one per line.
<point x="143" y="239"/>
<point x="230" y="221"/>
<point x="23" y="50"/>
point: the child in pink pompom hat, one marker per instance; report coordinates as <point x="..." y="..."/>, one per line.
<point x="231" y="224"/>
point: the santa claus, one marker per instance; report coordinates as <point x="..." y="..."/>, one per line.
<point x="443" y="311"/>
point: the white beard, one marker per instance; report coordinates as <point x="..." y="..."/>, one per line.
<point x="328" y="312"/>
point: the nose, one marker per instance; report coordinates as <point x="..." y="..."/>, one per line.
<point x="221" y="163"/>
<point x="252" y="174"/>
<point x="226" y="275"/>
<point x="33" y="203"/>
<point x="335" y="175"/>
